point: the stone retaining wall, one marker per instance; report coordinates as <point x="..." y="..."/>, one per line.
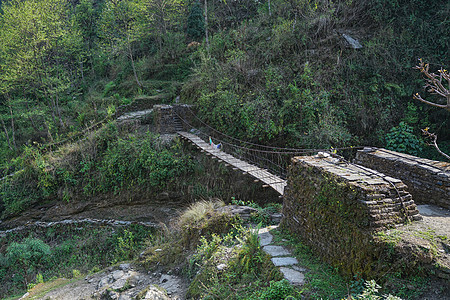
<point x="143" y="103"/>
<point x="427" y="180"/>
<point x="165" y="117"/>
<point x="336" y="208"/>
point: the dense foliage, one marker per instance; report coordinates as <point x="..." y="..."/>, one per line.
<point x="110" y="161"/>
<point x="290" y="76"/>
<point x="64" y="251"/>
<point x="277" y="72"/>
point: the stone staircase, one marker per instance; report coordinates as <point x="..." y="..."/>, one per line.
<point x="178" y="124"/>
<point x="282" y="257"/>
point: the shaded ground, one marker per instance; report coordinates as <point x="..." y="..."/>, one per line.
<point x="431" y="234"/>
<point x="160" y="209"/>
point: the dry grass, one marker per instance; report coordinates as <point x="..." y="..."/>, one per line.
<point x="42" y="288"/>
<point x="199" y="211"/>
<point x="176" y="243"/>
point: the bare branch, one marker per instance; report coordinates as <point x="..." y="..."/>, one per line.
<point x="418" y="97"/>
<point x="433" y="139"/>
<point x="434" y="83"/>
<point x="435" y="86"/>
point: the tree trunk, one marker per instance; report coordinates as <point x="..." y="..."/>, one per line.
<point x="132" y="62"/>
<point x="12" y="127"/>
<point x="49" y="134"/>
<point x="33" y="124"/>
<point x="7" y="135"/>
<point x="206" y="26"/>
<point x="61" y="122"/>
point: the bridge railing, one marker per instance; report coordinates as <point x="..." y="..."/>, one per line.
<point x="274" y="159"/>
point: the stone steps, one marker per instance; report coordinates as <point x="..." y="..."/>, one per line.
<point x="282" y="257"/>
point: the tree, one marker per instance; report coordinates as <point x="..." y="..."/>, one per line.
<point x="86" y="18"/>
<point x="39" y="58"/>
<point x="195" y="23"/>
<point x="161" y="17"/>
<point x="119" y="23"/>
<point x="435" y="85"/>
<point x="27" y="256"/>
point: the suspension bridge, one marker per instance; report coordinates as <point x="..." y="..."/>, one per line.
<point x="269" y="179"/>
<point x="266" y="164"/>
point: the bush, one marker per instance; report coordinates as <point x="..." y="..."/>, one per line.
<point x="27" y="257"/>
<point x="402" y="139"/>
<point x="278" y="290"/>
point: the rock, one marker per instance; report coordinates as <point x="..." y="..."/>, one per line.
<point x="170" y="283"/>
<point x="125" y="267"/>
<point x="297" y="268"/>
<point x="243" y="211"/>
<point x="323" y="154"/>
<point x="276" y="218"/>
<point x="119" y="284"/>
<point x="284" y="261"/>
<point x="276" y="250"/>
<point x="354" y="43"/>
<point x="124" y="297"/>
<point x="163" y="196"/>
<point x="265" y="238"/>
<point x="156" y="293"/>
<point x="294" y="277"/>
<point x="133" y="280"/>
<point x="109" y="295"/>
<point x="117" y="274"/>
<point x="103" y="282"/>
<point x="221" y="267"/>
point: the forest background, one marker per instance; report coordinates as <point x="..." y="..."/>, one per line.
<point x="274" y="72"/>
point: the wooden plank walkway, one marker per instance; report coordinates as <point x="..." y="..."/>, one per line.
<point x="267" y="178"/>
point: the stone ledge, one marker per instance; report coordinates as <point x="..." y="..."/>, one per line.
<point x="428" y="181"/>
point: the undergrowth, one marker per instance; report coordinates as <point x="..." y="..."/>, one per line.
<point x="110" y="160"/>
<point x="68" y="251"/>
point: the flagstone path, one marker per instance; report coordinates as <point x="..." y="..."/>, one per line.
<point x="282" y="257"/>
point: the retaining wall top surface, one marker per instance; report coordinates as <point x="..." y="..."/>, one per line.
<point x="385" y="199"/>
<point x="356" y="174"/>
<point x="428" y="164"/>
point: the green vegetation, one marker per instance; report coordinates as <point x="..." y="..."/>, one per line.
<point x="265" y="76"/>
<point x="112" y="159"/>
<point x="273" y="72"/>
<point x="276" y="72"/>
<point x="65" y="251"/>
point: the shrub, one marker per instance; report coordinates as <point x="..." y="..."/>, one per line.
<point x="402" y="139"/>
<point x="25" y="258"/>
<point x="278" y="290"/>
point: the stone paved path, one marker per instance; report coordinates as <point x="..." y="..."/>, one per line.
<point x="282" y="257"/>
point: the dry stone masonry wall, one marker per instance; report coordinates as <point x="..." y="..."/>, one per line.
<point x="337" y="207"/>
<point x="169" y="118"/>
<point x="427" y="180"/>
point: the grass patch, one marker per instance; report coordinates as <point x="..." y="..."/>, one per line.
<point x="171" y="247"/>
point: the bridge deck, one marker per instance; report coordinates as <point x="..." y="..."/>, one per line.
<point x="262" y="175"/>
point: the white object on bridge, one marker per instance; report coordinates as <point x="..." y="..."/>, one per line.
<point x="323" y="154"/>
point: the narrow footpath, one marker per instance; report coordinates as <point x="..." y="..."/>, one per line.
<point x="281" y="257"/>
